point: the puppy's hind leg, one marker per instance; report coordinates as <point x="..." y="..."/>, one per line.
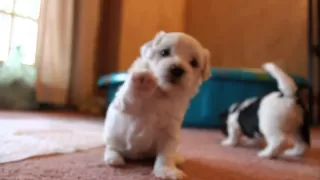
<point x="234" y="131"/>
<point x="274" y="141"/>
<point x="301" y="140"/>
<point x="299" y="148"/>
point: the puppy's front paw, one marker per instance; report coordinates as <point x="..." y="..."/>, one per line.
<point x="113" y="158"/>
<point x="228" y="142"/>
<point x="144" y="81"/>
<point x="169" y="173"/>
<point x="179" y="159"/>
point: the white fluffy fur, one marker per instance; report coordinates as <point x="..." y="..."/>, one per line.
<point x="278" y="117"/>
<point x="145" y="118"/>
<point x="285" y="83"/>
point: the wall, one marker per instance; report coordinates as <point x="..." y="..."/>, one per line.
<point x="242" y="33"/>
<point x="238" y="33"/>
<point x="248" y="33"/>
<point x="127" y="24"/>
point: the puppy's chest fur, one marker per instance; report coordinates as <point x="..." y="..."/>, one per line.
<point x="137" y="131"/>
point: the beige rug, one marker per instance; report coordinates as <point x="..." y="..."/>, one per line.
<point x="22" y="139"/>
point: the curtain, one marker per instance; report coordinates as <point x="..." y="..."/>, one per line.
<point x="66" y="51"/>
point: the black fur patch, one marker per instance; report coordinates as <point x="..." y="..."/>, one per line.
<point x="248" y="119"/>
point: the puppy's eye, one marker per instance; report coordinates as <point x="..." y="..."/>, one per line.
<point x="165" y="52"/>
<point x="194" y="63"/>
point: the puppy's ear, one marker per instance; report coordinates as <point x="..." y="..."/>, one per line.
<point x="158" y="38"/>
<point x="146" y="49"/>
<point x="206" y="69"/>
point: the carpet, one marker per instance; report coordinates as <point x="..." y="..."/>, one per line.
<point x="22" y="139"/>
<point x="206" y="160"/>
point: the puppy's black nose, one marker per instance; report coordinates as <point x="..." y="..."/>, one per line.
<point x="176" y="71"/>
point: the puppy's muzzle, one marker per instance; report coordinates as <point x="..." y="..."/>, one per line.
<point x="176" y="72"/>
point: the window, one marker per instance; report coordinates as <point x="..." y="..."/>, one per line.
<point x="18" y="30"/>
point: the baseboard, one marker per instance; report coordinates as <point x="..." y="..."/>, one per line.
<point x="47" y="106"/>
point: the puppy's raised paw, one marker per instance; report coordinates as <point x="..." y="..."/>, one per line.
<point x="169" y="173"/>
<point x="144" y="81"/>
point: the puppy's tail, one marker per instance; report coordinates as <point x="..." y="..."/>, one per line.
<point x="285" y="83"/>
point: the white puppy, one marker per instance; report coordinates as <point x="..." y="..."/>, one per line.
<point x="145" y="118"/>
<point x="273" y="116"/>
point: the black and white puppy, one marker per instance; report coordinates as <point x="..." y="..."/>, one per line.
<point x="272" y="117"/>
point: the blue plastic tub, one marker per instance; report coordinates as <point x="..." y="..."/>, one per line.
<point x="223" y="88"/>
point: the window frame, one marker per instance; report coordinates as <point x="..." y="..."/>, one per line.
<point x="13" y="14"/>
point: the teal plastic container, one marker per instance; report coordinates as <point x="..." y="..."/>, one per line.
<point x="225" y="87"/>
